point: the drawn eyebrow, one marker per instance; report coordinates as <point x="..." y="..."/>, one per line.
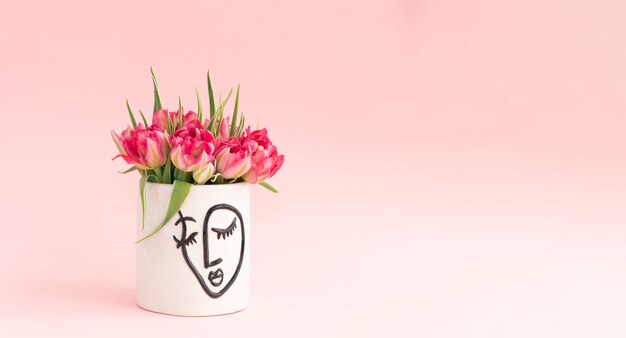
<point x="226" y="232"/>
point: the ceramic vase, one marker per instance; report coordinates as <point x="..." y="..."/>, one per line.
<point x="198" y="264"/>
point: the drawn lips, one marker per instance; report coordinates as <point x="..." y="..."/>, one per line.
<point x="216" y="277"/>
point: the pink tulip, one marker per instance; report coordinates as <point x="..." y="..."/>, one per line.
<point x="225" y="128"/>
<point x="144" y="148"/>
<point x="265" y="159"/>
<point x="159" y="120"/>
<point x="192" y="147"/>
<point x="234" y="157"/>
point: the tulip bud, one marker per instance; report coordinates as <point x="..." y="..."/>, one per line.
<point x="203" y="174"/>
<point x="118" y="142"/>
<point x="225" y="128"/>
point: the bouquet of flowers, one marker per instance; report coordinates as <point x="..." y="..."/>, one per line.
<point x="183" y="148"/>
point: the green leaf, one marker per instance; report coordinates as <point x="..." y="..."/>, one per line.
<point x="180" y="114"/>
<point x="268" y="186"/>
<point x="211" y="97"/>
<point x="142" y="187"/>
<point x="167" y="171"/>
<point x="233" y="125"/>
<point x="170" y="124"/>
<point x="180" y="191"/>
<point x="132" y="117"/>
<point x="211" y="123"/>
<point x="216" y="119"/>
<point x="223" y="103"/>
<point x="133" y="168"/>
<point x="220" y="118"/>
<point x="157" y="98"/>
<point x="242" y="122"/>
<point x="145" y="122"/>
<point x="199" y="106"/>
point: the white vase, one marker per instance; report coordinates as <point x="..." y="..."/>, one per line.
<point x="198" y="263"/>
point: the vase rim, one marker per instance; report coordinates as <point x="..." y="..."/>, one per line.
<point x="204" y="185"/>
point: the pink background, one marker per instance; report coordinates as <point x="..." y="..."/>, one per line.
<point x="453" y="168"/>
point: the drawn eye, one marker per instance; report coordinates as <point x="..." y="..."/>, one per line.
<point x="184" y="240"/>
<point x="187" y="241"/>
<point x="223" y="233"/>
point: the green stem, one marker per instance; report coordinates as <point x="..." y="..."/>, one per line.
<point x="157" y="173"/>
<point x="167" y="171"/>
<point x="181" y="175"/>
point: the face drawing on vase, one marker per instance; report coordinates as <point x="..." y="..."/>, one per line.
<point x="215" y="255"/>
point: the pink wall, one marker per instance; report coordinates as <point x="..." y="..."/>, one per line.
<point x="453" y="168"/>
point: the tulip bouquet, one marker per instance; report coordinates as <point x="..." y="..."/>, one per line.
<point x="181" y="148"/>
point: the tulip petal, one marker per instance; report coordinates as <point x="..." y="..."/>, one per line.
<point x="202" y="175"/>
<point x="118" y="142"/>
<point x="153" y="155"/>
<point x="177" y="158"/>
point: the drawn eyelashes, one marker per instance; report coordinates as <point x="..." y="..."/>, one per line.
<point x="223" y="233"/>
<point x="187" y="241"/>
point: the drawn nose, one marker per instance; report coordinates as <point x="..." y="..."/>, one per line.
<point x="215" y="262"/>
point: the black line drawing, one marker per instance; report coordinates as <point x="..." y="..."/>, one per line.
<point x="216" y="277"/>
<point x="226" y="232"/>
<point x="186" y="241"/>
